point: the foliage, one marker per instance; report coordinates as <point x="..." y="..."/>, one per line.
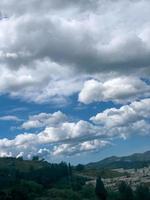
<point x="88" y="192"/>
<point x="125" y="192"/>
<point x="103" y="173"/>
<point x="100" y="189"/>
<point x="79" y="167"/>
<point x="39" y="180"/>
<point x="142" y="192"/>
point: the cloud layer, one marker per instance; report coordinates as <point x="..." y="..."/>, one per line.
<point x="51" y="46"/>
<point x="52" y="51"/>
<point x="44" y="119"/>
<point x="120" y="90"/>
<point x="129" y="119"/>
<point x="62" y="136"/>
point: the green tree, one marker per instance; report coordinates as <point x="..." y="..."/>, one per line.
<point x="113" y="195"/>
<point x="125" y="191"/>
<point x="100" y="190"/>
<point x="79" y="167"/>
<point x="35" y="158"/>
<point x="142" y="192"/>
<point x="87" y="192"/>
<point x="3" y="195"/>
<point x="67" y="194"/>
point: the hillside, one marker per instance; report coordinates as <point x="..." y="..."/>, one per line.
<point x="39" y="180"/>
<point x="137" y="160"/>
<point x="22" y="165"/>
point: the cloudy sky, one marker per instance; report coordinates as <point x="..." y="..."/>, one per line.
<point x="74" y="78"/>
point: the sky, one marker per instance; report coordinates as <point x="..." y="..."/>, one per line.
<point x="74" y="79"/>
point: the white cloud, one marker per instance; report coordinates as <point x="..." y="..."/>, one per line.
<point x="77" y="149"/>
<point x="39" y="84"/>
<point x="54" y="133"/>
<point x="69" y="131"/>
<point x="127" y="120"/>
<point x="44" y="119"/>
<point x="120" y="89"/>
<point x="57" y="130"/>
<point x="69" y="137"/>
<point x="126" y="114"/>
<point x="10" y="118"/>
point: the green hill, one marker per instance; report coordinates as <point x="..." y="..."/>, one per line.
<point x="137" y="160"/>
<point x="21" y="165"/>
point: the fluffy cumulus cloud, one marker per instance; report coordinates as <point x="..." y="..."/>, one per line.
<point x="70" y="131"/>
<point x="62" y="136"/>
<point x="120" y="89"/>
<point x="126" y="120"/>
<point x="87" y="146"/>
<point x="44" y="82"/>
<point x="44" y="119"/>
<point x="74" y="136"/>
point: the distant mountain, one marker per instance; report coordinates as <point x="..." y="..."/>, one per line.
<point x="137" y="160"/>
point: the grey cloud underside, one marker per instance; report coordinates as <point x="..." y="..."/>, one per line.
<point x="52" y="44"/>
<point x="87" y="41"/>
<point x="78" y="50"/>
<point x="36" y="5"/>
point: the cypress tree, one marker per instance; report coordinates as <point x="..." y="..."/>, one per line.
<point x="100" y="190"/>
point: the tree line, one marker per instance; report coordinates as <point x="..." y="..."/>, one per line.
<point x="39" y="180"/>
<point x="124" y="192"/>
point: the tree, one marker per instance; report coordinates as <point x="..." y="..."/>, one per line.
<point x="87" y="192"/>
<point x="3" y="195"/>
<point x="79" y="167"/>
<point x="142" y="192"/>
<point x="35" y="158"/>
<point x="125" y="191"/>
<point x="69" y="170"/>
<point x="100" y="190"/>
<point x="63" y="194"/>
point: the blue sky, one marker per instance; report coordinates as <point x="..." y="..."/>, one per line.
<point x="74" y="83"/>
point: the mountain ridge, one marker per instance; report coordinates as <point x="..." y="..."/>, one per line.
<point x="136" y="160"/>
